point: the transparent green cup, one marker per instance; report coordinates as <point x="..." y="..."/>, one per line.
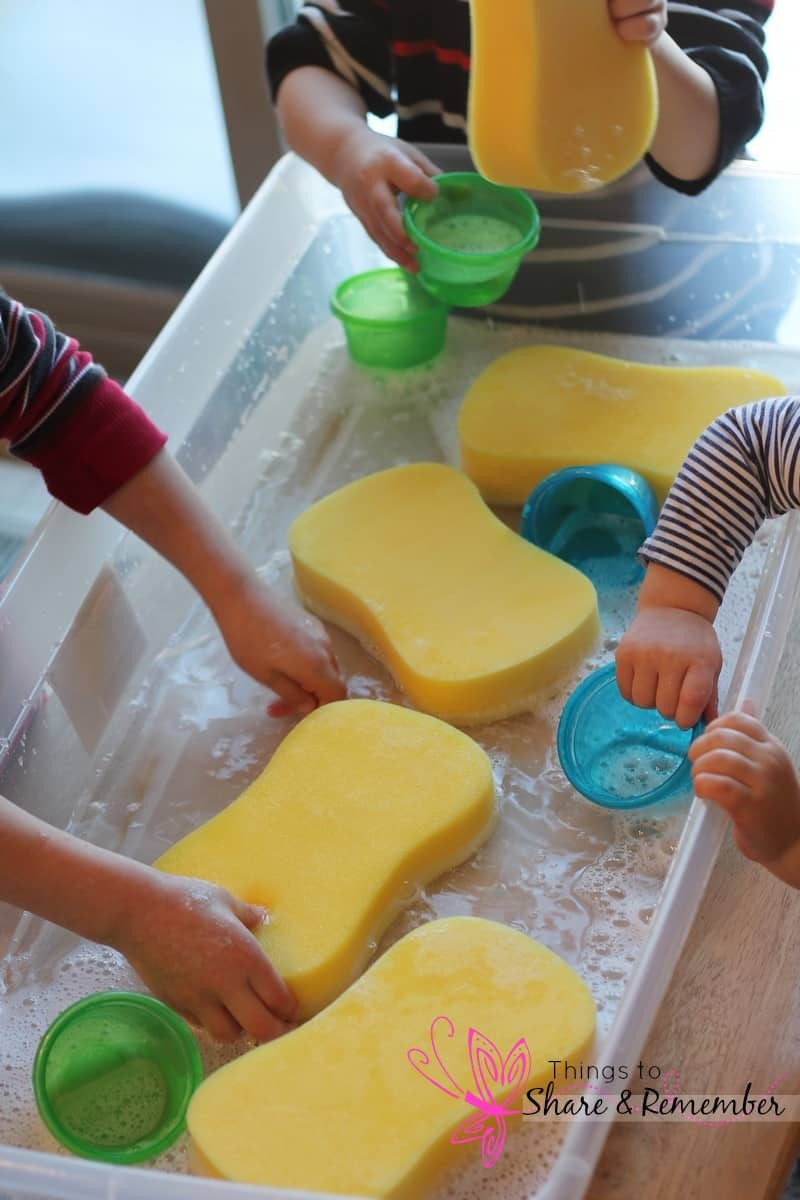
<point x="389" y="320"/>
<point x="113" y="1076"/>
<point x="471" y="238"/>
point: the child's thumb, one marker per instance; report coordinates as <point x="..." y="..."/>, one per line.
<point x="252" y="916"/>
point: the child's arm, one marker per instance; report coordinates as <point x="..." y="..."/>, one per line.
<point x="324" y="121"/>
<point x="710" y="67"/>
<point x="280" y="645"/>
<point x="95" y="446"/>
<point x="742" y="469"/>
<point x="741" y="767"/>
<point x="189" y="941"/>
<point x="686" y="140"/>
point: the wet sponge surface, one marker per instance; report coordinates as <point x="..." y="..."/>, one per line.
<point x="470" y="619"/>
<point x="557" y="101"/>
<point x="362" y="803"/>
<point x="541" y="408"/>
<point x="337" y="1107"/>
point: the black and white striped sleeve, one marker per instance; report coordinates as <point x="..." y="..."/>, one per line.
<point x="744" y="468"/>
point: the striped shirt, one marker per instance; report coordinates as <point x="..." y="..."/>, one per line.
<point x="412" y="58"/>
<point x="62" y="413"/>
<point x="743" y="469"/>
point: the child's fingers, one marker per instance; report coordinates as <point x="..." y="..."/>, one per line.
<point x="389" y="217"/>
<point x="729" y="794"/>
<point x="253" y="1015"/>
<point x="215" y="1018"/>
<point x="252" y="916"/>
<point x="623" y="10"/>
<point x="293" y="697"/>
<point x="408" y="176"/>
<point x="404" y="254"/>
<point x="723" y="738"/>
<point x="306" y="681"/>
<point x="381" y="218"/>
<point x="711" y="711"/>
<point x="746" y="723"/>
<point x="728" y="763"/>
<point x="696" y="690"/>
<point x="624" y="674"/>
<point x="424" y="164"/>
<point x="272" y="990"/>
<point x="643" y="687"/>
<point x="668" y="691"/>
<point x="638" y="20"/>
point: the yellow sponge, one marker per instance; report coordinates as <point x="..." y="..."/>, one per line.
<point x="361" y="803"/>
<point x="545" y="407"/>
<point x="557" y="101"/>
<point x="337" y="1106"/>
<point x="470" y="619"/>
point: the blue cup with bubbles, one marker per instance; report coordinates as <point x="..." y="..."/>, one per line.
<point x="594" y="517"/>
<point x="617" y="755"/>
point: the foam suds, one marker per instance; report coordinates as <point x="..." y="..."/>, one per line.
<point x="191" y="733"/>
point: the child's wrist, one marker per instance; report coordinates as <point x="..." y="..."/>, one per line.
<point x="666" y="588"/>
<point x="334" y="161"/>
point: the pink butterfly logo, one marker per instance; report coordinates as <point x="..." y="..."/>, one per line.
<point x="491" y="1074"/>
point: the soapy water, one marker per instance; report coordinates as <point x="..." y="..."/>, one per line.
<point x="627" y="772"/>
<point x="191" y="733"/>
<point x="473" y="233"/>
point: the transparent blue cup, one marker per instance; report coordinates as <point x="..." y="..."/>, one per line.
<point x="618" y="755"/>
<point x="594" y="517"/>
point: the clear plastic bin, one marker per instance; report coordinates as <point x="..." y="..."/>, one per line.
<point x="123" y="719"/>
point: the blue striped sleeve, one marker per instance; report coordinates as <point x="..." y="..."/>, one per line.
<point x="744" y="468"/>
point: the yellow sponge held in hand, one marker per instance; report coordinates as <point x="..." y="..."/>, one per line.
<point x="541" y="408"/>
<point x="470" y="619"/>
<point x="364" y="1099"/>
<point x="361" y="804"/>
<point x="557" y="100"/>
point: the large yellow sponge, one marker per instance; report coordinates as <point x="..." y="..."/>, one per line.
<point x="337" y="1106"/>
<point x="470" y="619"/>
<point x="557" y="101"/>
<point x="541" y="408"/>
<point x="362" y="803"/>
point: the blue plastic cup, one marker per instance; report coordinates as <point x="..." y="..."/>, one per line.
<point x="594" y="517"/>
<point x="618" y="755"/>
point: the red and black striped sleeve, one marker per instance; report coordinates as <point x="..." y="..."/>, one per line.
<point x="349" y="37"/>
<point x="61" y="412"/>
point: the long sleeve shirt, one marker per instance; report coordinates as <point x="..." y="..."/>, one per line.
<point x="744" y="468"/>
<point x="61" y="412"/>
<point x="412" y="58"/>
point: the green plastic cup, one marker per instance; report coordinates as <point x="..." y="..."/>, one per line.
<point x="471" y="238"/>
<point x="113" y="1076"/>
<point x="389" y="320"/>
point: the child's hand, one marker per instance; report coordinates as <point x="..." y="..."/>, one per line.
<point x="370" y="170"/>
<point x="670" y="660"/>
<point x="741" y="767"/>
<point x="282" y="646"/>
<point x="639" y="20"/>
<point x="191" y="944"/>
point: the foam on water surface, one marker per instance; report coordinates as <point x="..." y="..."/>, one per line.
<point x="191" y="732"/>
